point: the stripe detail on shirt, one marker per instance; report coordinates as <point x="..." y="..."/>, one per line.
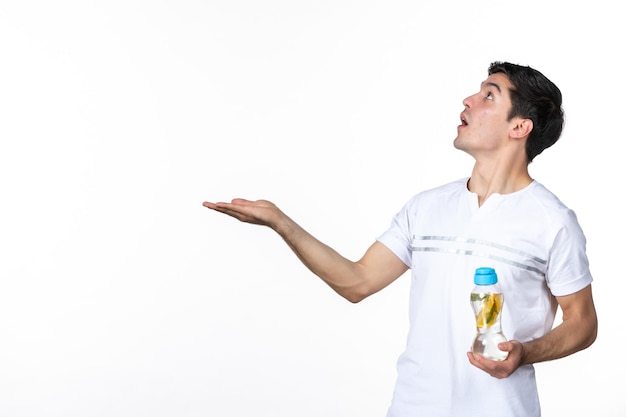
<point x="476" y="247"/>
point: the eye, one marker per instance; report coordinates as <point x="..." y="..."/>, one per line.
<point x="489" y="96"/>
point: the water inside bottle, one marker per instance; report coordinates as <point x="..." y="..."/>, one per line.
<point x="487" y="308"/>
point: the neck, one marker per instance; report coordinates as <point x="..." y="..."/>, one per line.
<point x="497" y="178"/>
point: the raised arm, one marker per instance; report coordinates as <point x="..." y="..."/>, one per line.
<point x="352" y="280"/>
<point x="577" y="331"/>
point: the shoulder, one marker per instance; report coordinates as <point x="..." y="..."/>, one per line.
<point x="568" y="266"/>
<point x="457" y="187"/>
<point x="548" y="204"/>
<point x="549" y="217"/>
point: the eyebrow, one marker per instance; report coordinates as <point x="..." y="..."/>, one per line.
<point x="491" y="84"/>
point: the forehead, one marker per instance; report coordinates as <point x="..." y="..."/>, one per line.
<point x="499" y="81"/>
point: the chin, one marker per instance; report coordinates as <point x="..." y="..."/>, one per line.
<point x="457" y="143"/>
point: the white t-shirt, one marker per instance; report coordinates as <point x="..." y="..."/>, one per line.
<point x="536" y="246"/>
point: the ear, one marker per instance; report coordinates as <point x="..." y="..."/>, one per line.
<point x="521" y="128"/>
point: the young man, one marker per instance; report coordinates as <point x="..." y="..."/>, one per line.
<point x="498" y="217"/>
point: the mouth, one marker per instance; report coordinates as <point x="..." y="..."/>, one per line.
<point x="463" y="120"/>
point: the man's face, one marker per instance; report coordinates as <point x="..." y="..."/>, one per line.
<point x="484" y="124"/>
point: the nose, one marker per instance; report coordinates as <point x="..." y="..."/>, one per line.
<point x="467" y="101"/>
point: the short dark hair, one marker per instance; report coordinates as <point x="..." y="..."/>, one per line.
<point x="534" y="97"/>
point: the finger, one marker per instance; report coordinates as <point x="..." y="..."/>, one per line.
<point x="483" y="363"/>
<point x="475" y="360"/>
<point x="241" y="201"/>
<point x="219" y="206"/>
<point x="506" y="346"/>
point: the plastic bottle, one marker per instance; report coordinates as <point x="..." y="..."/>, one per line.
<point x="487" y="301"/>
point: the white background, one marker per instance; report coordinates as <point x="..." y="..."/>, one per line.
<point x="120" y="295"/>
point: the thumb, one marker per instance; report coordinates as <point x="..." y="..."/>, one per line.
<point x="505" y="346"/>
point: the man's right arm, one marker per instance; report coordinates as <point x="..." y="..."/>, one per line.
<point x="352" y="280"/>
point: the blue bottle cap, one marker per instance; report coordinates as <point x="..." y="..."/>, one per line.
<point x="485" y="276"/>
